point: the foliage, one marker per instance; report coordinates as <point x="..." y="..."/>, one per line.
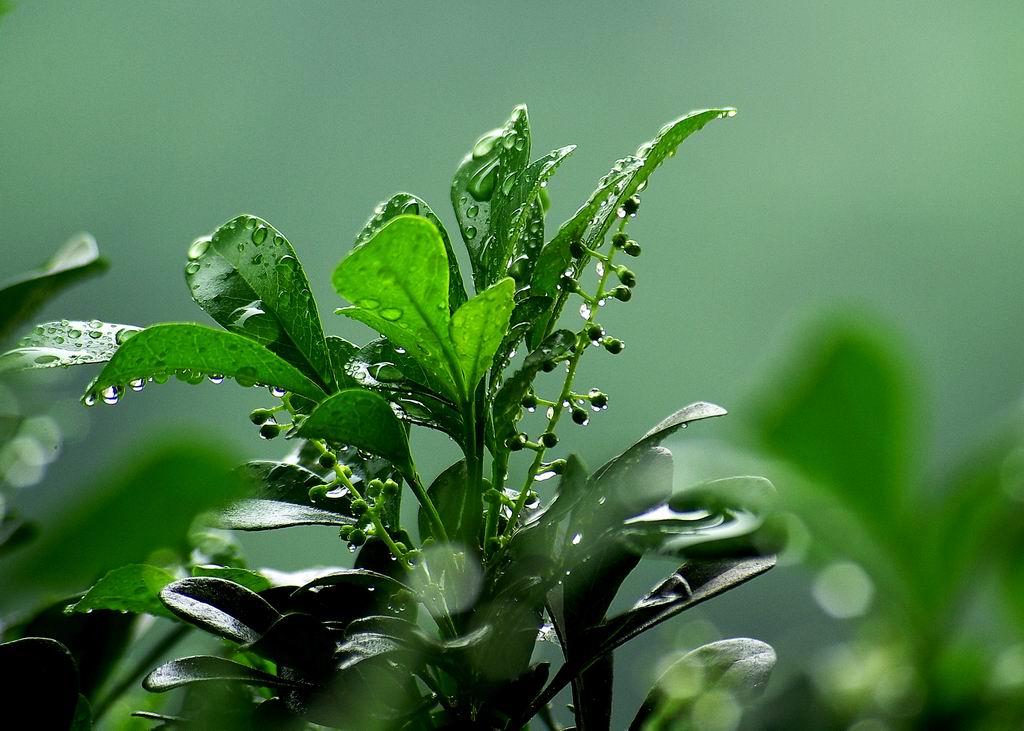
<point x="435" y="625"/>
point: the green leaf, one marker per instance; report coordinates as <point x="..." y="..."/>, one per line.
<point x="460" y="508"/>
<point x="477" y="329"/>
<point x="158" y="492"/>
<point x="40" y="683"/>
<point x="220" y="607"/>
<point x="257" y="514"/>
<point x="83" y="715"/>
<point x="398" y="284"/>
<point x="207" y="668"/>
<point x="134" y="588"/>
<point x="19" y="298"/>
<point x="251" y="580"/>
<point x="408" y="204"/>
<point x="161" y="350"/>
<point x="341" y="352"/>
<point x="364" y="420"/>
<point x="739" y="667"/>
<point x="248" y="278"/>
<point x="592" y="221"/>
<point x="840" y="415"/>
<point x="66" y="343"/>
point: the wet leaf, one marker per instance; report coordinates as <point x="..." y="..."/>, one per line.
<point x="134" y="588"/>
<point x="19" y="298"/>
<point x="408" y="204"/>
<point x="66" y="343"/>
<point x="364" y="420"/>
<point x="220" y="607"/>
<point x="260" y="514"/>
<point x="460" y="508"/>
<point x="206" y="668"/>
<point x="477" y="329"/>
<point x="248" y="278"/>
<point x="251" y="580"/>
<point x="161" y="350"/>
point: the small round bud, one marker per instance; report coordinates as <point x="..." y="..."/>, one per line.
<point x="613" y="345"/>
<point x="516" y="443"/>
<point x="390" y="488"/>
<point x="529" y="401"/>
<point x="269" y="431"/>
<point x="492" y="496"/>
<point x="595" y="332"/>
<point x="345" y="531"/>
<point x="549" y="439"/>
<point x="375" y="488"/>
<point x="576" y="250"/>
<point x="327" y="461"/>
<point x="413" y="557"/>
<point x="598" y="399"/>
<point x="580" y="416"/>
<point x="622" y="293"/>
<point x="357" y="537"/>
<point x="402" y="548"/>
<point x="632" y="248"/>
<point x="359" y="507"/>
<point x="260" y="416"/>
<point x="548" y="366"/>
<point x="619" y="240"/>
<point x="631" y="205"/>
<point x="626" y="276"/>
<point x="567" y="283"/>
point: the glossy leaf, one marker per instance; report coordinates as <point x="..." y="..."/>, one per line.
<point x="251" y="580"/>
<point x="220" y="607"/>
<point x="283" y="481"/>
<point x="398" y="284"/>
<point x="477" y="329"/>
<point x="259" y="514"/>
<point x="410" y="205"/>
<point x="161" y="350"/>
<point x="739" y="667"/>
<point x="364" y="420"/>
<point x="460" y="507"/>
<point x="206" y="668"/>
<point x="134" y="588"/>
<point x="40" y="683"/>
<point x="591" y="222"/>
<point x="248" y="278"/>
<point x="296" y="641"/>
<point x="66" y="343"/>
<point x="22" y="296"/>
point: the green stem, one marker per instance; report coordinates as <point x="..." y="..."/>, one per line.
<point x="436" y="524"/>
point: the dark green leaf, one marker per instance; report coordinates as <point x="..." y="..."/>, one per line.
<point x="83" y="715"/>
<point x="66" y="343"/>
<point x="283" y="481"/>
<point x="408" y="204"/>
<point x="248" y="278"/>
<point x="477" y="329"/>
<point x="341" y="352"/>
<point x="134" y="588"/>
<point x="592" y="221"/>
<point x="158" y="493"/>
<point x="220" y="607"/>
<point x="259" y="514"/>
<point x="460" y="508"/>
<point x="40" y="683"/>
<point x="206" y="668"/>
<point x="361" y="578"/>
<point x="161" y="350"/>
<point x="740" y="667"/>
<point x="21" y="297"/>
<point x="398" y="284"/>
<point x="364" y="420"/>
<point x="251" y="580"/>
<point x="297" y="641"/>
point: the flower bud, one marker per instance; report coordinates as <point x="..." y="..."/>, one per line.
<point x="549" y="439"/>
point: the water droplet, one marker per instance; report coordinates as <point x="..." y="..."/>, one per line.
<point x="485" y="144"/>
<point x="191" y="268"/>
<point x="576" y="539"/>
<point x="111" y="395"/>
<point x="45" y="359"/>
<point x="507" y="183"/>
<point x="411" y="208"/>
<point x="599" y="267"/>
<point x="258" y="259"/>
<point x="400" y="351"/>
<point x="216" y="378"/>
<point x="471" y="232"/>
<point x="730" y="112"/>
<point x="550" y="412"/>
<point x="95" y="334"/>
<point x="123" y="334"/>
<point x="369" y="304"/>
<point x="391" y="313"/>
<point x="198" y="247"/>
<point x="259" y="235"/>
<point x="138" y="384"/>
<point x="585" y="311"/>
<point x="481" y="184"/>
<point x="276" y="391"/>
<point x="545" y="475"/>
<point x="472" y="211"/>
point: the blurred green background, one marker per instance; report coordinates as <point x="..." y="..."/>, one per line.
<point x="874" y="166"/>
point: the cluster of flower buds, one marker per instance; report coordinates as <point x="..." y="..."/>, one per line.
<point x="365" y="509"/>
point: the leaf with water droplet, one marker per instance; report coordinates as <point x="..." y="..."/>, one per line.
<point x="134" y="588"/>
<point x="250" y="292"/>
<point x="406" y="203"/>
<point x="207" y="668"/>
<point x="591" y="222"/>
<point x="19" y="298"/>
<point x="364" y="420"/>
<point x="477" y="329"/>
<point x="172" y="347"/>
<point x="404" y="270"/>
<point x="66" y="343"/>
